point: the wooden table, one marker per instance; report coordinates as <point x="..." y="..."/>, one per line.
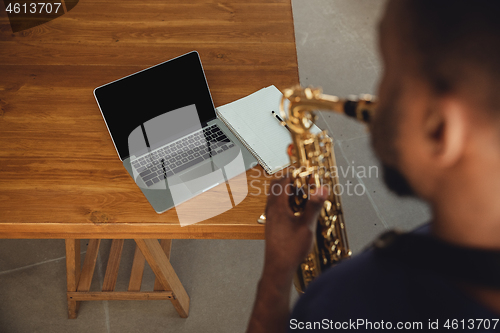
<point x="60" y="176"/>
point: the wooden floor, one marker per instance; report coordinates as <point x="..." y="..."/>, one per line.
<point x="59" y="171"/>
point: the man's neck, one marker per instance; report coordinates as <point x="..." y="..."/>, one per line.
<point x="469" y="234"/>
<point x="467" y="211"/>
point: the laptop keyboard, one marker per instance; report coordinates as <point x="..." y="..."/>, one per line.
<point x="181" y="154"/>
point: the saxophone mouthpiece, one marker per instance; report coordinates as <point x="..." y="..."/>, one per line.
<point x="360" y="108"/>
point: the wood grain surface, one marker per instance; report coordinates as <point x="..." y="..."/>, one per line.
<point x="60" y="176"/>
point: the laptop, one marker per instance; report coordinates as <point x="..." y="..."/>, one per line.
<point x="164" y="127"/>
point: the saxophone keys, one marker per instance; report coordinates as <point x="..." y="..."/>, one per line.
<point x="327" y="205"/>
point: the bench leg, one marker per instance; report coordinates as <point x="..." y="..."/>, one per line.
<point x="166" y="245"/>
<point x="72" y="273"/>
<point x="167" y="284"/>
<point x="165" y="274"/>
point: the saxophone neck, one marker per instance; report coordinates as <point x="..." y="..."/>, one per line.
<point x="302" y="102"/>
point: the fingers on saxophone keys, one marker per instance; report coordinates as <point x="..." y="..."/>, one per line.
<point x="314" y="205"/>
<point x="319" y="195"/>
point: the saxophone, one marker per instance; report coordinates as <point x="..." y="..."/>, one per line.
<point x="314" y="164"/>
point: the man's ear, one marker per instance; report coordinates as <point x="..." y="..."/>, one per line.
<point x="445" y="130"/>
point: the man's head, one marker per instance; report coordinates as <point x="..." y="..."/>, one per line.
<point x="439" y="110"/>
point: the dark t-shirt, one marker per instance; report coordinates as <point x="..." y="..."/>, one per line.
<point x="374" y="292"/>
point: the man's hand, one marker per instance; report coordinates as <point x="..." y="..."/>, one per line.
<point x="289" y="239"/>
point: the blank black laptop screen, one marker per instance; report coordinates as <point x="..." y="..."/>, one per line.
<point x="131" y="101"/>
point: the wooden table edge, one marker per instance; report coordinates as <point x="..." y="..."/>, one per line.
<point x="129" y="231"/>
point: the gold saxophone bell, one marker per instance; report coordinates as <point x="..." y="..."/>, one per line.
<point x="313" y="161"/>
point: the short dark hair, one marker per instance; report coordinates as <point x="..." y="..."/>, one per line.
<point x="456" y="42"/>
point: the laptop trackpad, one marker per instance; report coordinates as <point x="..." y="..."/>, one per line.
<point x="202" y="178"/>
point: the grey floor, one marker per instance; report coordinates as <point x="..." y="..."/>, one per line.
<point x="336" y="48"/>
